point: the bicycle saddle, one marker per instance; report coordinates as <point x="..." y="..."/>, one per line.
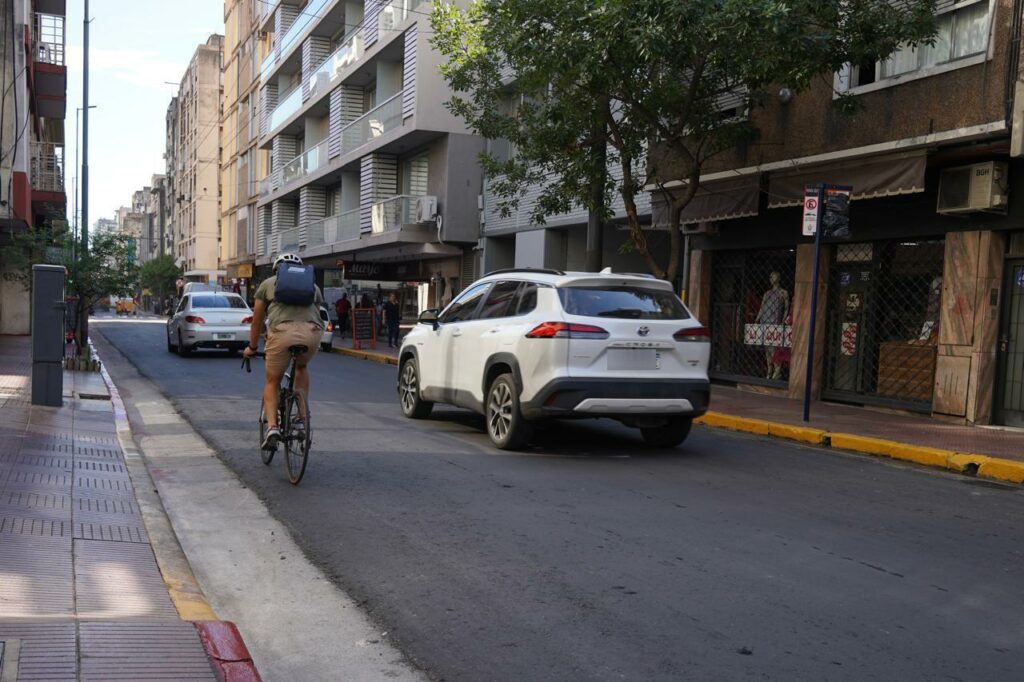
<point x="298" y="349"/>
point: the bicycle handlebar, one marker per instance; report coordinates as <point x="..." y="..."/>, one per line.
<point x="247" y="362"/>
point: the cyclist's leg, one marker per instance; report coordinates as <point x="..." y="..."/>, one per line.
<point x="270" y="391"/>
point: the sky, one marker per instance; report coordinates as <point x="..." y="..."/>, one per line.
<point x="134" y="46"/>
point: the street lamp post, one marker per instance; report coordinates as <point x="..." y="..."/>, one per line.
<point x="78" y="111"/>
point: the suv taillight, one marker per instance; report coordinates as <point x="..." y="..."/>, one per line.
<point x="566" y="330"/>
<point x="698" y="334"/>
<point x="194" y="319"/>
<point x="247" y="319"/>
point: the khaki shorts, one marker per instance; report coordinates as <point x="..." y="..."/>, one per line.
<point x="285" y="334"/>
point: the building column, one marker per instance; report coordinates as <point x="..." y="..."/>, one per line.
<point x="286" y="15"/>
<point x="378" y="180"/>
<point x="802" y="289"/>
<point x="282" y="151"/>
<point x="315" y="50"/>
<point x="346" y="106"/>
<point x="312" y="207"/>
<point x="268" y="102"/>
<point x="698" y="292"/>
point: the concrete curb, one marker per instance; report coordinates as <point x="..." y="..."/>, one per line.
<point x="994" y="468"/>
<point x="373" y="356"/>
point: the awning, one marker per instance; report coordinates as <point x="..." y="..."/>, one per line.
<point x="873" y="177"/>
<point x="716" y="200"/>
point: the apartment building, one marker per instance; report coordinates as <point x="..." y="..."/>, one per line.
<point x="242" y="162"/>
<point x="371" y="179"/>
<point x="103" y="226"/>
<point x="133" y="222"/>
<point x="32" y="191"/>
<point x="921" y="304"/>
<point x="193" y="164"/>
<point x="156" y="217"/>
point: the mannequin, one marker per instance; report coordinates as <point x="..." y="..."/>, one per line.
<point x="774" y="310"/>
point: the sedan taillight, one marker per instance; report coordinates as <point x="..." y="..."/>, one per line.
<point x="194" y="319"/>
<point x="566" y="330"/>
<point x="247" y="319"/>
<point x="330" y="327"/>
<point x="693" y="334"/>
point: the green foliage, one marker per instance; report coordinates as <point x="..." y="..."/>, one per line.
<point x="159" y="275"/>
<point x="560" y="81"/>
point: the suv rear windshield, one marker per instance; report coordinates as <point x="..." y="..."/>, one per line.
<point x="213" y="301"/>
<point x="626" y="302"/>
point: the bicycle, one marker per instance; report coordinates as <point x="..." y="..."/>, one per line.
<point x="289" y="402"/>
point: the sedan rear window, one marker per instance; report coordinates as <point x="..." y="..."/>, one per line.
<point x="214" y="301"/>
<point x="626" y="302"/>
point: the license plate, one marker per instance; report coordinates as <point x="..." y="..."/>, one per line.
<point x="224" y="337"/>
<point x="633" y="358"/>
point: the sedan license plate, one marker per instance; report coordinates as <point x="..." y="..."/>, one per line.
<point x="633" y="358"/>
<point x="224" y="337"/>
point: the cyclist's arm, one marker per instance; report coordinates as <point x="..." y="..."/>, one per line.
<point x="259" y="314"/>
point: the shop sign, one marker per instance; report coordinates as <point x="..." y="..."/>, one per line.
<point x="811" y="207"/>
<point x="379" y="271"/>
<point x="771" y="335"/>
<point x="245" y="270"/>
<point x="848" y="342"/>
<point x="364" y="327"/>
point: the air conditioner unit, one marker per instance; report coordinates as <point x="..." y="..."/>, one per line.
<point x="974" y="188"/>
<point x="426" y="209"/>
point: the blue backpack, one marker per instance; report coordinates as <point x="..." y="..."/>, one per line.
<point x="296" y="284"/>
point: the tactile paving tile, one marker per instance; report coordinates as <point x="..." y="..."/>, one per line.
<point x="48" y="650"/>
<point x="143" y="651"/>
<point x="38" y="458"/>
<point x="37" y="577"/>
<point x="119" y="580"/>
<point x="27" y="525"/>
<point x="100" y="466"/>
<point x="56" y="482"/>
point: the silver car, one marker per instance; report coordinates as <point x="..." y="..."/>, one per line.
<point x="209" y="319"/>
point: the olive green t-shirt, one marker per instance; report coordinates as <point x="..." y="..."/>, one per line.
<point x="281" y="312"/>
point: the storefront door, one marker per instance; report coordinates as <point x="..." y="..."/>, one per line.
<point x="1010" y="385"/>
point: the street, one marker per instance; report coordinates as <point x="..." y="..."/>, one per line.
<point x="592" y="557"/>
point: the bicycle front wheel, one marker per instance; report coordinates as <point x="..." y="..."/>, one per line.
<point x="266" y="455"/>
<point x="296" y="441"/>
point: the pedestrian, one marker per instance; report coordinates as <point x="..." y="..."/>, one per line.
<point x="343" y="308"/>
<point x="391" y="320"/>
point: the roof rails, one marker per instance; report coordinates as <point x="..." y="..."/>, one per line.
<point x="536" y="271"/>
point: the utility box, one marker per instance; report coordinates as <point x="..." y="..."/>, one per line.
<point x="48" y="309"/>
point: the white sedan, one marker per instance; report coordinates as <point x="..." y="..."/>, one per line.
<point x="209" y="319"/>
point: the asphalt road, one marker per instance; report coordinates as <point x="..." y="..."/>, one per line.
<point x="591" y="557"/>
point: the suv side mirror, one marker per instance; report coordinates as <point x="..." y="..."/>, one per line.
<point x="429" y="317"/>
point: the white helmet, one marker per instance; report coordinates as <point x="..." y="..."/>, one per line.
<point x="287" y="258"/>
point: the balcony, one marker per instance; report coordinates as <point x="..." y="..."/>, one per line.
<point x="307" y="19"/>
<point x="329" y="73"/>
<point x="49" y="66"/>
<point x="304" y="164"/>
<point x="289" y="240"/>
<point x="372" y="124"/>
<point x="285" y="109"/>
<point x="392" y="213"/>
<point x="333" y="229"/>
<point x="47" y="167"/>
<point x="48" y="38"/>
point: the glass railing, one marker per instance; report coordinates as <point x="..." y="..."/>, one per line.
<point x="393" y="13"/>
<point x="289" y="239"/>
<point x="326" y="74"/>
<point x="286" y="108"/>
<point x="392" y="213"/>
<point x="372" y="124"/>
<point x="308" y="16"/>
<point x="270" y="183"/>
<point x="332" y="229"/>
<point x="304" y="164"/>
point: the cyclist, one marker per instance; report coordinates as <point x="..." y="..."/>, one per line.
<point x="287" y="325"/>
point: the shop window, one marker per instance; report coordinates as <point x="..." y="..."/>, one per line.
<point x="751" y="315"/>
<point x="883" y="322"/>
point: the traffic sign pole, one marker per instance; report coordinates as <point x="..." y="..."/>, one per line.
<point x="812" y="204"/>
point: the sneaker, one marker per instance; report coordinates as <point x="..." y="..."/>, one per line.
<point x="272" y="438"/>
<point x="298" y="427"/>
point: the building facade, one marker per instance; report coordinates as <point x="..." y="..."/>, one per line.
<point x="371" y="178"/>
<point x="920" y="304"/>
<point x="193" y="164"/>
<point x="242" y="163"/>
<point x="32" y="190"/>
<point x="156" y="217"/>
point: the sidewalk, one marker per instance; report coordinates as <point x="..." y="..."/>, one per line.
<point x="379" y="354"/>
<point x="82" y="596"/>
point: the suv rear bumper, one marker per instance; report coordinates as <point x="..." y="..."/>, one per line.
<point x="571" y="397"/>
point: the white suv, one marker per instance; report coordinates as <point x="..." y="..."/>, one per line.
<point x="524" y="345"/>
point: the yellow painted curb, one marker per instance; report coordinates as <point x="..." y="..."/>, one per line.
<point x="727" y="421"/>
<point x="889" y="448"/>
<point x="804" y="434"/>
<point x="964" y="462"/>
<point x="1002" y="470"/>
<point x="366" y="355"/>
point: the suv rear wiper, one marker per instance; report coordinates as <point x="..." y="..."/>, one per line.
<point x="622" y="312"/>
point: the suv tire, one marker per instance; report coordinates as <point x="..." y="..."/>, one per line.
<point x="183" y="350"/>
<point x="506" y="426"/>
<point x="170" y="346"/>
<point x="413" y="405"/>
<point x="669" y="435"/>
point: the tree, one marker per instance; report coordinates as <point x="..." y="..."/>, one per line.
<point x="625" y="74"/>
<point x="160" y="275"/>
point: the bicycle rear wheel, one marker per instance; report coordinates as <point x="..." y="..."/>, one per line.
<point x="296" y="445"/>
<point x="266" y="455"/>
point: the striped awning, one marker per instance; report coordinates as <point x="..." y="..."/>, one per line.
<point x="871" y="177"/>
<point x="715" y="201"/>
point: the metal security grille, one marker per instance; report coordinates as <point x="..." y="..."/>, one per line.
<point x="751" y="315"/>
<point x="1010" y="391"/>
<point x="883" y="323"/>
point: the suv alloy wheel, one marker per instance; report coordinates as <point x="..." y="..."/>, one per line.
<point x="413" y="406"/>
<point x="506" y="426"/>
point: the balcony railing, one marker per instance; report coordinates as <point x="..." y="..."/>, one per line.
<point x="372" y="124"/>
<point x="307" y="17"/>
<point x="304" y="164"/>
<point x="394" y="13"/>
<point x="47" y="167"/>
<point x="289" y="240"/>
<point x="325" y="75"/>
<point x="270" y="183"/>
<point x="392" y="213"/>
<point x="286" y="108"/>
<point x="48" y="36"/>
<point x="333" y="229"/>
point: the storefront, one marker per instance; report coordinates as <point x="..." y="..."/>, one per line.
<point x="751" y="315"/>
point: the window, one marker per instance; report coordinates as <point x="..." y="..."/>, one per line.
<point x="500" y="302"/>
<point x="622" y="302"/>
<point x="527" y="299"/>
<point x="415" y="172"/>
<point x="217" y="301"/>
<point x="182" y="304"/>
<point x="962" y="31"/>
<point x="462" y="308"/>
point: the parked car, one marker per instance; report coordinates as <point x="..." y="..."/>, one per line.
<point x="519" y="346"/>
<point x="209" y="319"/>
<point x="327" y="337"/>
